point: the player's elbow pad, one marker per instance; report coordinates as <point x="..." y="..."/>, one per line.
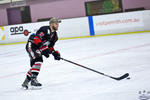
<point x="37" y="41"/>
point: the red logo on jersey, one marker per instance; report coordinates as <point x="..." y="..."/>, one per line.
<point x="41" y="34"/>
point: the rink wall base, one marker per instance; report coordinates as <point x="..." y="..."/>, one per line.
<point x="102" y="35"/>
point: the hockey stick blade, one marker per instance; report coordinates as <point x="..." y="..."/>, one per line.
<point x="121" y="77"/>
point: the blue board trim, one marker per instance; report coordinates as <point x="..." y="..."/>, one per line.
<point x="91" y="25"/>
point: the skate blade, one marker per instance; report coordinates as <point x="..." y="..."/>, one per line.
<point x="31" y="88"/>
<point x="35" y="88"/>
<point x="24" y="88"/>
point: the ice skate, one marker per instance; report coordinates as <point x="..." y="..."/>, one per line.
<point x="26" y="83"/>
<point x="35" y="85"/>
<point x="34" y="82"/>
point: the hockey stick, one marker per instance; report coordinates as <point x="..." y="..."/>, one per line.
<point x="115" y="78"/>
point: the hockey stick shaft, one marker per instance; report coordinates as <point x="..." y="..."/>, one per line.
<point x="119" y="78"/>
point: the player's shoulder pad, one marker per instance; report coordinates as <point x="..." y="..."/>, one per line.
<point x="43" y="28"/>
<point x="32" y="36"/>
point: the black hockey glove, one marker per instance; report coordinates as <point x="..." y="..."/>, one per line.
<point x="45" y="51"/>
<point x="56" y="55"/>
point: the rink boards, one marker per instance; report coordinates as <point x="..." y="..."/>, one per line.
<point x="102" y="25"/>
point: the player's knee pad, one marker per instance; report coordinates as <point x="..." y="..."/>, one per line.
<point x="36" y="67"/>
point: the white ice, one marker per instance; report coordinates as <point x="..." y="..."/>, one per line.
<point x="112" y="55"/>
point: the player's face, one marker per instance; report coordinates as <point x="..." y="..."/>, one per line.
<point x="55" y="26"/>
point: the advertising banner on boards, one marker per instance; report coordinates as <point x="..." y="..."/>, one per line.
<point x="118" y="21"/>
<point x="22" y="30"/>
<point x="2" y="35"/>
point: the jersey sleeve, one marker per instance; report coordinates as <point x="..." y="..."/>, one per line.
<point x="53" y="39"/>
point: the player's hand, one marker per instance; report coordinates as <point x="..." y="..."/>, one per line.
<point x="56" y="55"/>
<point x="45" y="51"/>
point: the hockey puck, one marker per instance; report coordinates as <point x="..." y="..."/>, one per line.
<point x="128" y="78"/>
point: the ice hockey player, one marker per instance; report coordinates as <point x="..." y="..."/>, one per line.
<point x="39" y="44"/>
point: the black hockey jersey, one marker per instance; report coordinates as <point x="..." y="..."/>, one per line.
<point x="43" y="36"/>
<point x="46" y="36"/>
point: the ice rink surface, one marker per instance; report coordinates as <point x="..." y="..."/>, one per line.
<point x="112" y="55"/>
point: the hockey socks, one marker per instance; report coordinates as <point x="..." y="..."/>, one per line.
<point x="32" y="76"/>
